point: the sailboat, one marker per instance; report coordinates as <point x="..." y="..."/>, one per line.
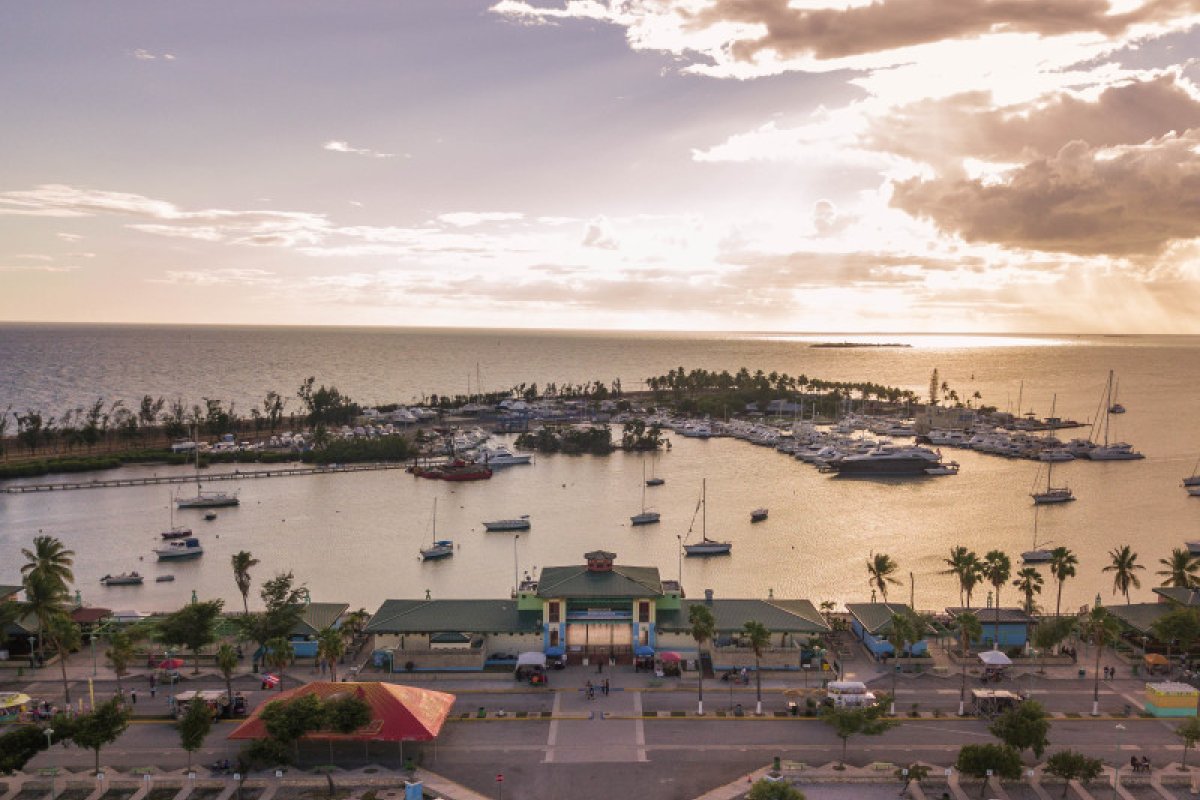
<point x="706" y="546"/>
<point x="1039" y="554"/>
<point x="1052" y="494"/>
<point x="1116" y="407"/>
<point x="175" y="531"/>
<point x="1194" y="478"/>
<point x="646" y="517"/>
<point x="440" y="548"/>
<point x="653" y="480"/>
<point x="205" y="499"/>
<point x="1117" y="451"/>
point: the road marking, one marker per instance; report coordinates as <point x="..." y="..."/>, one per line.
<point x="552" y="736"/>
<point x="639" y="727"/>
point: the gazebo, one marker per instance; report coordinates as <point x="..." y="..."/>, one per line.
<point x="398" y="713"/>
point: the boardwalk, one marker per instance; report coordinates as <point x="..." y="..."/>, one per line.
<point x="285" y="472"/>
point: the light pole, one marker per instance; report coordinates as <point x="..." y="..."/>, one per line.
<point x="50" y="733"/>
<point x="516" y="582"/>
<point x="92" y="642"/>
<point x="1117" y="768"/>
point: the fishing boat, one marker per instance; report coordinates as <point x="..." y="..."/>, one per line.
<point x="758" y="515"/>
<point x="645" y="517"/>
<point x="203" y="499"/>
<point x="440" y="548"/>
<point x="124" y="579"/>
<point x="1039" y="554"/>
<point x="706" y="546"/>
<point x="520" y="524"/>
<point x="175" y="531"/>
<point x="1051" y="494"/>
<point x="179" y="550"/>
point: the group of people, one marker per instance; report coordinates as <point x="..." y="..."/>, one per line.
<point x="1110" y="673"/>
<point x="1139" y="765"/>
<point x="590" y="690"/>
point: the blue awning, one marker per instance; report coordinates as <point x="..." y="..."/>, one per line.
<point x="557" y="651"/>
<point x="643" y="651"/>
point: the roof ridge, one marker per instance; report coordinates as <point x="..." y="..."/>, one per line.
<point x="414" y="605"/>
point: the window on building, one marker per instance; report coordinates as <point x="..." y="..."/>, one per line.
<point x="552" y="611"/>
<point x="643" y="611"/>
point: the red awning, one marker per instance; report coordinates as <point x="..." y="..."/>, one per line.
<point x="398" y="713"/>
<point x="669" y="656"/>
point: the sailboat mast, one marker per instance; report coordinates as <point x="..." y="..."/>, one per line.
<point x="704" y="509"/>
<point x="1107" y="406"/>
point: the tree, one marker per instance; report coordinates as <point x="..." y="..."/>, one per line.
<point x="764" y="789"/>
<point x="934" y="384"/>
<point x="1178" y="625"/>
<point x="287" y="721"/>
<point x="1189" y="731"/>
<point x="913" y="773"/>
<point x="997" y="568"/>
<point x="120" y="654"/>
<point x="1072" y="766"/>
<point x="759" y="638"/>
<point x="968" y="630"/>
<point x="44" y="598"/>
<point x="242" y="562"/>
<point x="1124" y="567"/>
<point x="881" y="571"/>
<point x="1180" y="569"/>
<point x="194" y="727"/>
<point x="1062" y="567"/>
<point x="1104" y="627"/>
<point x="62" y="632"/>
<point x="191" y="627"/>
<point x="103" y="726"/>
<point x="331" y="646"/>
<point x="18" y="745"/>
<point x="1049" y="633"/>
<point x="278" y="654"/>
<point x="865" y="720"/>
<point x="703" y="628"/>
<point x="964" y="565"/>
<point x="1029" y="582"/>
<point x="976" y="759"/>
<point x="1023" y="727"/>
<point x="50" y="559"/>
<point x="907" y="629"/>
<point x="227" y="663"/>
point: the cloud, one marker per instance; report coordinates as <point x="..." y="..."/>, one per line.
<point x="338" y="146"/>
<point x="467" y="219"/>
<point x="599" y="233"/>
<point x="220" y="277"/>
<point x="145" y="55"/>
<point x="69" y="237"/>
<point x="1123" y="201"/>
<point x="826" y="219"/>
<point x="38" y="268"/>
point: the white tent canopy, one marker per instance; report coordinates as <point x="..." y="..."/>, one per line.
<point x="994" y="658"/>
<point x="531" y="659"/>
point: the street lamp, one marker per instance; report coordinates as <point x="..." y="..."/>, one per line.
<point x="1117" y="768"/>
<point x="49" y="733"/>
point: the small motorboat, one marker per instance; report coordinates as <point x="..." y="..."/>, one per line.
<point x="758" y="515"/>
<point x="179" y="549"/>
<point x="210" y="515"/>
<point x="124" y="579"/>
<point x="441" y="548"/>
<point x="164" y="579"/>
<point x="521" y="524"/>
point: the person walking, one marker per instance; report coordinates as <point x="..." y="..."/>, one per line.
<point x="153" y="689"/>
<point x="606" y="687"/>
<point x="133" y="696"/>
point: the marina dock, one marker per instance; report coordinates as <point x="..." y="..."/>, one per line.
<point x="286" y="472"/>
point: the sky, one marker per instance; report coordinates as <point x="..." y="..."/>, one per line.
<point x="803" y="165"/>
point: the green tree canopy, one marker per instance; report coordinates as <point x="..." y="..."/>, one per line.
<point x="194" y="727"/>
<point x="860" y="720"/>
<point x="1189" y="731"/>
<point x="764" y="789"/>
<point x="976" y="759"/>
<point x="18" y="745"/>
<point x="1179" y="625"/>
<point x="1072" y="766"/>
<point x="192" y="626"/>
<point x="102" y="726"/>
<point x="1023" y="727"/>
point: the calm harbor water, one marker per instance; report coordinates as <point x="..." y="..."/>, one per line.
<point x="355" y="537"/>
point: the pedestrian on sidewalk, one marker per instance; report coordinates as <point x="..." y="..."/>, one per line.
<point x="606" y="687"/>
<point x="153" y="689"/>
<point x="133" y="696"/>
<point x="589" y="690"/>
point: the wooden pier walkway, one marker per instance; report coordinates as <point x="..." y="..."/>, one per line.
<point x="237" y="475"/>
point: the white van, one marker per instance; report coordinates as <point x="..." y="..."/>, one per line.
<point x="848" y="694"/>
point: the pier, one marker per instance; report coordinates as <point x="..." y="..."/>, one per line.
<point x="286" y="472"/>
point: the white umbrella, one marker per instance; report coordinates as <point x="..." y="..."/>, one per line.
<point x="994" y="658"/>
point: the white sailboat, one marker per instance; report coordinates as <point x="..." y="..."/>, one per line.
<point x="1117" y="451"/>
<point x="205" y="499"/>
<point x="706" y="546"/>
<point x="654" y="480"/>
<point x="1039" y="554"/>
<point x="175" y="531"/>
<point x="440" y="548"/>
<point x="645" y="517"/>
<point x="1194" y="478"/>
<point x="1051" y="494"/>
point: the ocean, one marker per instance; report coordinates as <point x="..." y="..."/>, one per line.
<point x="354" y="538"/>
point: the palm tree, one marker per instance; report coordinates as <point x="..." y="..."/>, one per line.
<point x="960" y="563"/>
<point x="759" y="638"/>
<point x="227" y="662"/>
<point x="969" y="629"/>
<point x="972" y="575"/>
<point x="242" y="562"/>
<point x="703" y="628"/>
<point x="880" y="571"/>
<point x="1124" y="566"/>
<point x="1104" y="627"/>
<point x="1180" y="569"/>
<point x="278" y="654"/>
<point x="51" y="559"/>
<point x="1062" y="567"/>
<point x="1029" y="582"/>
<point x="997" y="568"/>
<point x="119" y="654"/>
<point x="331" y="646"/>
<point x="906" y="629"/>
<point x="45" y="598"/>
